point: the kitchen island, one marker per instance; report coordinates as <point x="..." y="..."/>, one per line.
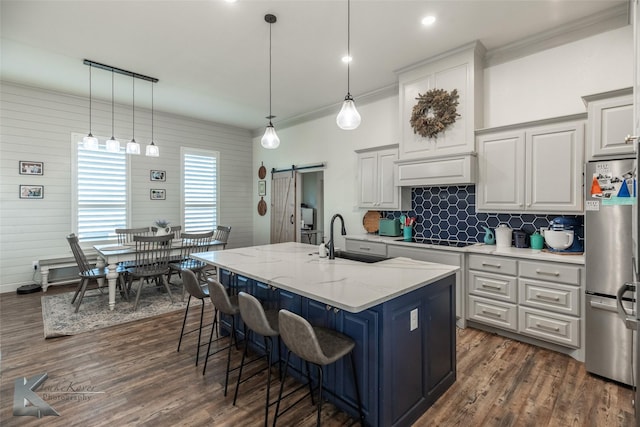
<point x="400" y="312"/>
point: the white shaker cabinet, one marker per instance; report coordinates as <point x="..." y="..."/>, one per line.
<point x="610" y="121"/>
<point x="533" y="168"/>
<point x="376" y="180"/>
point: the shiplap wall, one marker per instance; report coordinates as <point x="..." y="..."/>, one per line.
<point x="37" y="125"/>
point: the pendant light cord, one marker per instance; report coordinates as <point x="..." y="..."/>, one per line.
<point x="112" y="107"/>
<point x="152" y="112"/>
<point x="270" y="115"/>
<point x="348" y="46"/>
<point x="133" y="106"/>
<point x="90" y="103"/>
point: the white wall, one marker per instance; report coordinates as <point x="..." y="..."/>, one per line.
<point x="547" y="84"/>
<point x="37" y="125"/>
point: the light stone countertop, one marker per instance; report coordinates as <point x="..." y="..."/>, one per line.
<point x="349" y="285"/>
<point x="479" y="248"/>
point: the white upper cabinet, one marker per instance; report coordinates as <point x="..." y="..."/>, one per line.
<point x="376" y="180"/>
<point x="534" y="168"/>
<point x="461" y="70"/>
<point x="610" y="120"/>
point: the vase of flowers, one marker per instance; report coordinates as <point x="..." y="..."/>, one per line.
<point x="162" y="227"/>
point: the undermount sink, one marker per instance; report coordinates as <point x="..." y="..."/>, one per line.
<point x="354" y="256"/>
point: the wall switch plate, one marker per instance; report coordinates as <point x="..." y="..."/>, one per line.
<point x="414" y="319"/>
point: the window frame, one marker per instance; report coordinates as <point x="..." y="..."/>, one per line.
<point x="75" y="141"/>
<point x="198" y="152"/>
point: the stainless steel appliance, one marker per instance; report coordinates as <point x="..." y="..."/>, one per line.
<point x="610" y="195"/>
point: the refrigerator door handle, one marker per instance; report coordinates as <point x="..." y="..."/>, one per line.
<point x="629" y="319"/>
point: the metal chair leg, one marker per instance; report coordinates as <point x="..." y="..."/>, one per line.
<point x="184" y="322"/>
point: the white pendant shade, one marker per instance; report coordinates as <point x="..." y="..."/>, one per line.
<point x="152" y="150"/>
<point x="90" y="142"/>
<point x="113" y="145"/>
<point x="270" y="138"/>
<point x="133" y="147"/>
<point x="348" y="117"/>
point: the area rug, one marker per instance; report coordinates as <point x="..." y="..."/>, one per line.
<point x="59" y="318"/>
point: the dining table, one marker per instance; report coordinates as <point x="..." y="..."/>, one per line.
<point x="110" y="255"/>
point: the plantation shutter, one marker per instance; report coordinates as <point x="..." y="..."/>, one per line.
<point x="200" y="171"/>
<point x="101" y="193"/>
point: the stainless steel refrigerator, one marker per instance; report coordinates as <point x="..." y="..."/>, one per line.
<point x="609" y="246"/>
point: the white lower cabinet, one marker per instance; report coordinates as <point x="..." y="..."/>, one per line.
<point x="537" y="299"/>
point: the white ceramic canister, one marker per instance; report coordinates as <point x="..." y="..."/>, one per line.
<point x="503" y="236"/>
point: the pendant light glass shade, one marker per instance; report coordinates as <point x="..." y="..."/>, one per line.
<point x="270" y="138"/>
<point x="113" y="145"/>
<point x="152" y="149"/>
<point x="90" y="142"/>
<point x="348" y="117"/>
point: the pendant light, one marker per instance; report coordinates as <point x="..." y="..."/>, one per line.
<point x="270" y="139"/>
<point x="132" y="146"/>
<point x="152" y="149"/>
<point x="113" y="145"/>
<point x="90" y="142"/>
<point x="348" y="117"/>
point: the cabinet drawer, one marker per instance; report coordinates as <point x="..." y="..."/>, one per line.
<point x="551" y="271"/>
<point x="493" y="286"/>
<point x="550" y="296"/>
<point x="493" y="264"/>
<point x="556" y="328"/>
<point x="365" y="247"/>
<point x="495" y="313"/>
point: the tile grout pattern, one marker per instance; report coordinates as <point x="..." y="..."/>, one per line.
<point x="450" y="213"/>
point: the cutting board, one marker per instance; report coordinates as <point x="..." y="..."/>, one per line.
<point x="371" y="221"/>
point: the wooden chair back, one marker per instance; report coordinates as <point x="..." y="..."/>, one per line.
<point x="152" y="255"/>
<point x="125" y="235"/>
<point x="84" y="266"/>
<point x="222" y="234"/>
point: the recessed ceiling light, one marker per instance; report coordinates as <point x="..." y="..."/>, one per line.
<point x="230" y="1"/>
<point x="428" y="20"/>
<point x="347" y="59"/>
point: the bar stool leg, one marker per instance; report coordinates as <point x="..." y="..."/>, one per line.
<point x="184" y="322"/>
<point x="244" y="355"/>
<point x="320" y="372"/>
<point x="269" y="348"/>
<point x="199" y="329"/>
<point x="284" y="376"/>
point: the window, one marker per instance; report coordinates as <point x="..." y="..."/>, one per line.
<point x="100" y="192"/>
<point x="199" y="189"/>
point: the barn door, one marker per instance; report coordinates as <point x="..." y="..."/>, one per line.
<point x="283" y="207"/>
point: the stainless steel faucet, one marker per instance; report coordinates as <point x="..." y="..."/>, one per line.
<point x="330" y="243"/>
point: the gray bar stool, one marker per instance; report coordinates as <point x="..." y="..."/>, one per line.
<point x="192" y="286"/>
<point x="264" y="323"/>
<point x="318" y="346"/>
<point x="225" y="305"/>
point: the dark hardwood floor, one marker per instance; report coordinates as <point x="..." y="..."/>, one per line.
<point x="139" y="379"/>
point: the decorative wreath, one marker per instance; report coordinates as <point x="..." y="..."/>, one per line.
<point x="434" y="112"/>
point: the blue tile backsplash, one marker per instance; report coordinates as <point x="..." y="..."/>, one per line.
<point x="450" y="213"/>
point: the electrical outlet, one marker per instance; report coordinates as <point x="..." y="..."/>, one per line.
<point x="34" y="264"/>
<point x="414" y="319"/>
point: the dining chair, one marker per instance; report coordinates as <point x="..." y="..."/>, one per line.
<point x="221" y="234"/>
<point x="87" y="272"/>
<point x="315" y="345"/>
<point x="125" y="235"/>
<point x="152" y="262"/>
<point x="191" y="243"/>
<point x="197" y="291"/>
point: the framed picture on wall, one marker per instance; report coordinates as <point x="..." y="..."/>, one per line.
<point x="157" y="194"/>
<point x="262" y="188"/>
<point x="30" y="168"/>
<point x="157" y="175"/>
<point x="31" y="191"/>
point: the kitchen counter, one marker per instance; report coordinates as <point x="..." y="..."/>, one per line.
<point x="479" y="248"/>
<point x="349" y="285"/>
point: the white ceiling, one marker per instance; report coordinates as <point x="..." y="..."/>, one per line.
<point x="212" y="57"/>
